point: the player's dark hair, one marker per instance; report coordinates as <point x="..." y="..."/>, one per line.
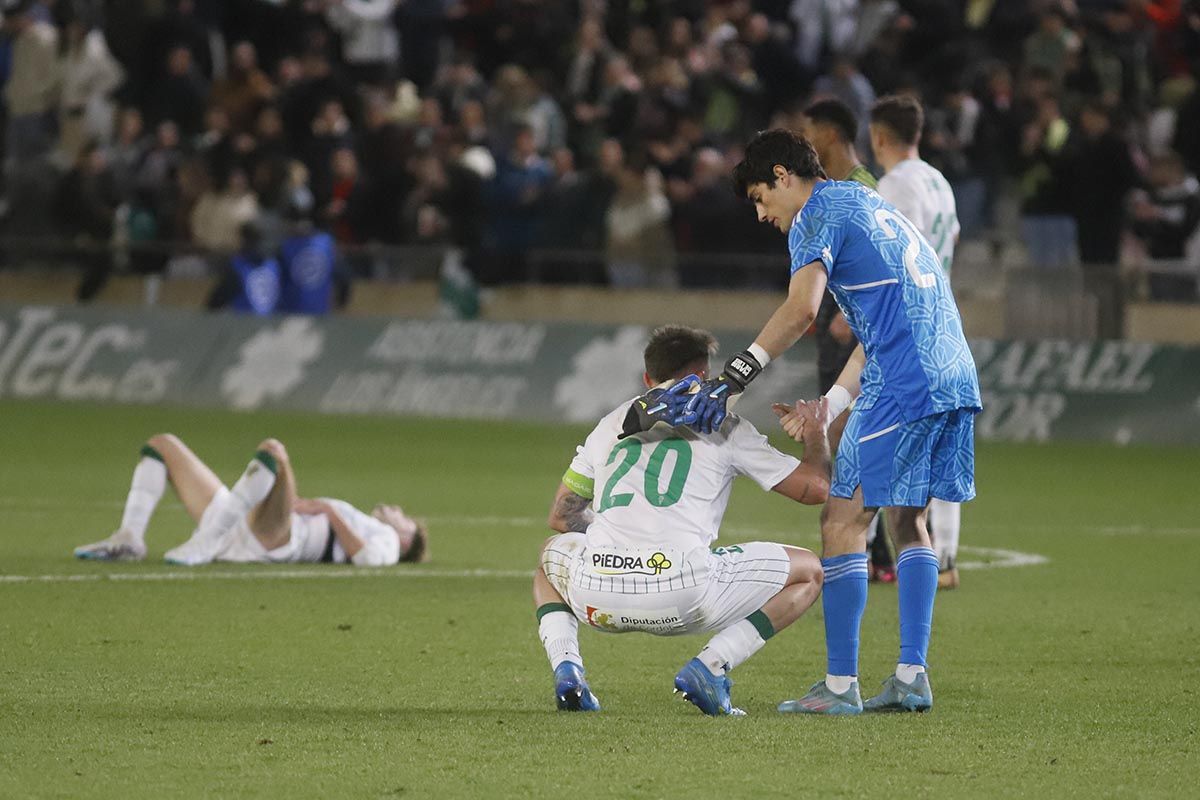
<point x="775" y="147"/>
<point x="902" y="115"/>
<point x="673" y="347"/>
<point x="836" y="114"/>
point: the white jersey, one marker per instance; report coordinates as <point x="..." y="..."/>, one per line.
<point x="312" y="540"/>
<point x="668" y="488"/>
<point x="924" y="196"/>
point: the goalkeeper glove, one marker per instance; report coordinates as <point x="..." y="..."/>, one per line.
<point x="707" y="409"/>
<point x="658" y="405"/>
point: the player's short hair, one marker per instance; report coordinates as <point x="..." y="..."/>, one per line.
<point x="673" y="347"/>
<point x="902" y="115"/>
<point x="837" y="115"/>
<point x="786" y="148"/>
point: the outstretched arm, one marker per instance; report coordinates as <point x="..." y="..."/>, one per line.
<point x="570" y="512"/>
<point x="796" y="314"/>
<point x="807" y="422"/>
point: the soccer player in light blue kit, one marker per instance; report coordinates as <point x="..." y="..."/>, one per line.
<point x="913" y="384"/>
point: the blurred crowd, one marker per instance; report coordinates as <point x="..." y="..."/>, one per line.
<point x="506" y="128"/>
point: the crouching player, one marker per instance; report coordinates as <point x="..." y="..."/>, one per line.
<point x="261" y="519"/>
<point x="637" y="516"/>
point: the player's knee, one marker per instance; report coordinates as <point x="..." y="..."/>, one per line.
<point x="805" y="566"/>
<point x="164" y="441"/>
<point x="274" y="447"/>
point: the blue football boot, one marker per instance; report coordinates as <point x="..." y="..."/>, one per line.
<point x="707" y="692"/>
<point x="571" y="691"/>
<point x="900" y="696"/>
<point x="822" y="700"/>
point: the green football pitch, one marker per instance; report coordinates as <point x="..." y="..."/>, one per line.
<point x="1066" y="665"/>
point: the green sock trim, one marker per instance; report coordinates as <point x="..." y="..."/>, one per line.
<point x="149" y="452"/>
<point x="268" y="461"/>
<point x="550" y="608"/>
<point x="761" y="624"/>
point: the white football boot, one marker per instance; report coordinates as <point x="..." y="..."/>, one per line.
<point x="121" y="546"/>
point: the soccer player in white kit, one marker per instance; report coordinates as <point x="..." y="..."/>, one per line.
<point x="261" y="519"/>
<point x="923" y="195"/>
<point x="637" y="515"/>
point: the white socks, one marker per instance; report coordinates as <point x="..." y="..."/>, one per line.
<point x="251" y="489"/>
<point x="908" y="672"/>
<point x="731" y="647"/>
<point x="945" y="521"/>
<point x="559" y="632"/>
<point x="149" y="483"/>
<point x="840" y="684"/>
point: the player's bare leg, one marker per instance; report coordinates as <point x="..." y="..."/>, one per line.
<point x="271" y="520"/>
<point x="917" y="574"/>
<point x="704" y="680"/>
<point x="945" y="522"/>
<point x="844" y="564"/>
<point x="164" y="458"/>
<point x="559" y="631"/>
<point x="230" y="507"/>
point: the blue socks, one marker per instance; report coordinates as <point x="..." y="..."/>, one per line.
<point x="916" y="581"/>
<point x="844" y="598"/>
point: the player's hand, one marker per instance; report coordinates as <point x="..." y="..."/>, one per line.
<point x="309" y="506"/>
<point x="658" y="405"/>
<point x="816" y="413"/>
<point x="791" y="419"/>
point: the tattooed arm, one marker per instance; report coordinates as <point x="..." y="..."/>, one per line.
<point x="570" y="512"/>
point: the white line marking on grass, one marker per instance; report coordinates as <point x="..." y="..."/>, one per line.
<point x="999" y="558"/>
<point x="202" y="574"/>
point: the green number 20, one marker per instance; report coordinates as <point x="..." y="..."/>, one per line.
<point x="631" y="450"/>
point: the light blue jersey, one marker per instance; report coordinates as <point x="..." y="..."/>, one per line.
<point x="890" y="285"/>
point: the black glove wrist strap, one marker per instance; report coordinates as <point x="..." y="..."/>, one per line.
<point x="741" y="369"/>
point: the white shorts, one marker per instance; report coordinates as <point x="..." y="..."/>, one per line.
<point x="310" y="536"/>
<point x="662" y="591"/>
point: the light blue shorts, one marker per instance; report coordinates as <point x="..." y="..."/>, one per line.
<point x="901" y="463"/>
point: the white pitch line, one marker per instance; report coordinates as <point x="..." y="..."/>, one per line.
<point x="998" y="558"/>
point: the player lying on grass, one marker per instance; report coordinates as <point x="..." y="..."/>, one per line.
<point x="261" y="519"/>
<point x="637" y="515"/>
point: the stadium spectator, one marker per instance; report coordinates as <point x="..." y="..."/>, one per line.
<point x="252" y="281"/>
<point x="179" y="96"/>
<point x="1167" y="221"/>
<point x="1047" y="226"/>
<point x="518" y="195"/>
<point x="640" y="251"/>
<point x="85" y="206"/>
<point x="222" y="210"/>
<point x="312" y="278"/>
<point x="1100" y="174"/>
<point x="370" y="41"/>
<point x="90" y="75"/>
<point x="244" y="90"/>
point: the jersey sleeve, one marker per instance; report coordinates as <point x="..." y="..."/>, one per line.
<point x="381" y="544"/>
<point x="753" y="456"/>
<point x="580" y="477"/>
<point x="814" y="237"/>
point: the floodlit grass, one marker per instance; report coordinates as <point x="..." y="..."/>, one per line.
<point x="1077" y="677"/>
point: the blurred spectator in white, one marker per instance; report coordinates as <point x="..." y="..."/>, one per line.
<point x="370" y="42"/>
<point x="33" y="84"/>
<point x="1166" y="219"/>
<point x="217" y="219"/>
<point x="640" y="250"/>
<point x="90" y="75"/>
<point x="244" y="90"/>
<point x="824" y="26"/>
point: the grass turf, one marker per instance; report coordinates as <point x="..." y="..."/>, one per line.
<point x="1071" y="678"/>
